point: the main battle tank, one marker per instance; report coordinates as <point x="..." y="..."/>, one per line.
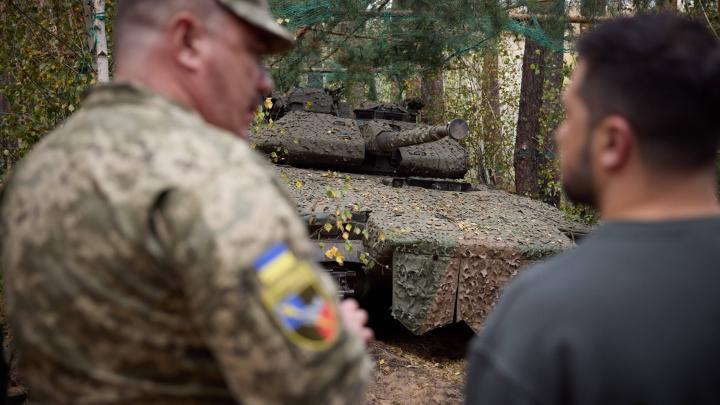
<point x="384" y="198"/>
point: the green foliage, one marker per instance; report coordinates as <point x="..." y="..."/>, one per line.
<point x="396" y="39"/>
<point x="580" y="213"/>
<point x="45" y="66"/>
<point x="492" y="131"/>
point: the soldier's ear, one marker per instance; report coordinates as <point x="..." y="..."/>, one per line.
<point x="184" y="35"/>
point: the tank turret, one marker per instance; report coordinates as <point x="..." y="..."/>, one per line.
<point x="310" y="131"/>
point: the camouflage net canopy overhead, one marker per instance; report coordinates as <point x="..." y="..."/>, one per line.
<point x="353" y="39"/>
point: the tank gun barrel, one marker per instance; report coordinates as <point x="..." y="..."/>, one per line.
<point x="388" y="141"/>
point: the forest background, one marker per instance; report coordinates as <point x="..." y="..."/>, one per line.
<point x="498" y="64"/>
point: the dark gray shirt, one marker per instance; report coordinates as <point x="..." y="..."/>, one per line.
<point x="630" y="316"/>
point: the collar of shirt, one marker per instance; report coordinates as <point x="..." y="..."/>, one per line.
<point x="130" y="93"/>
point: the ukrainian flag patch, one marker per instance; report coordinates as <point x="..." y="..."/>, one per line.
<point x="293" y="294"/>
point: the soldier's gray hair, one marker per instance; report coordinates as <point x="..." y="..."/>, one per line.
<point x="137" y="17"/>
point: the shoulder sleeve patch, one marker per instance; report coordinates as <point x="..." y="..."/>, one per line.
<point x="294" y="296"/>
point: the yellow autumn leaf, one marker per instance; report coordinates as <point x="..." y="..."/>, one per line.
<point x="381" y="362"/>
<point x="298" y="184"/>
<point x="381" y="236"/>
<point x="328" y="227"/>
<point x="346" y="235"/>
<point x="348" y="227"/>
<point x="331" y="253"/>
<point x="268" y="103"/>
<point x="340" y="259"/>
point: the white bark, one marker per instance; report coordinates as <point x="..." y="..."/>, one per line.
<point x="97" y="38"/>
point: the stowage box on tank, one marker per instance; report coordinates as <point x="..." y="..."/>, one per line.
<point x="384" y="198"/>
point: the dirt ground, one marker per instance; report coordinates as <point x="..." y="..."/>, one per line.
<point x="426" y="369"/>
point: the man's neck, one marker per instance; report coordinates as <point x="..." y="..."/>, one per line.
<point x="690" y="195"/>
<point x="161" y="84"/>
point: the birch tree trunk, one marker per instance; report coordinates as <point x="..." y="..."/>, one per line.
<point x="97" y="38"/>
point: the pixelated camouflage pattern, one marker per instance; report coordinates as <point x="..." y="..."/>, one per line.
<point x="448" y="254"/>
<point x="129" y="236"/>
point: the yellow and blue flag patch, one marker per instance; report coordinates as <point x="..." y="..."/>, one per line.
<point x="293" y="294"/>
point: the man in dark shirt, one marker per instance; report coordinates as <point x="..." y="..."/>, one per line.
<point x="632" y="315"/>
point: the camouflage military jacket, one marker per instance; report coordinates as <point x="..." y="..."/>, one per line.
<point x="150" y="258"/>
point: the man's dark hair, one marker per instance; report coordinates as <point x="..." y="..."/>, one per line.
<point x="662" y="73"/>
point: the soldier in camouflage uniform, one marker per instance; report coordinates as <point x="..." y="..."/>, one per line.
<point x="151" y="257"/>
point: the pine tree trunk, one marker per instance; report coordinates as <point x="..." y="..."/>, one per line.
<point x="432" y="95"/>
<point x="540" y="112"/>
<point x="528" y="125"/>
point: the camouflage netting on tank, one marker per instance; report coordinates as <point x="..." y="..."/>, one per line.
<point x="351" y="39"/>
<point x="450" y="253"/>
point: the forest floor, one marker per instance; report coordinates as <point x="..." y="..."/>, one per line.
<point x="428" y="369"/>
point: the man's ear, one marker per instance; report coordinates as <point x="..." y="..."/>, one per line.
<point x="183" y="36"/>
<point x="615" y="142"/>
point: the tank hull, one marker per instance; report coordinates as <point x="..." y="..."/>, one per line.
<point x="446" y="254"/>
